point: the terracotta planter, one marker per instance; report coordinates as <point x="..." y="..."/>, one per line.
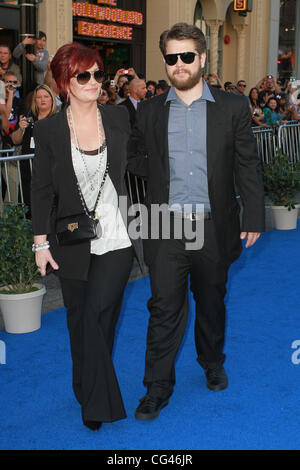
<point x="22" y="312"/>
<point x="285" y="219"/>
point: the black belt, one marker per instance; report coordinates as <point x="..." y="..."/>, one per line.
<point x="192" y="215"/>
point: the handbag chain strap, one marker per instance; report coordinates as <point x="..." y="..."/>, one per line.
<point x="85" y="208"/>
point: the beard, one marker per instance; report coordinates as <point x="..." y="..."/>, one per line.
<point x="188" y="83"/>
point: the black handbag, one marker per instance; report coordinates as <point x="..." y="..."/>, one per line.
<point x="80" y="228"/>
<point x="77" y="228"/>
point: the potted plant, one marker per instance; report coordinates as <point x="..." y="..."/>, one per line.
<point x="282" y="183"/>
<point x="20" y="296"/>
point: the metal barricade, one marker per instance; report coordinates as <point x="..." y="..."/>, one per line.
<point x="267" y="143"/>
<point x="286" y="137"/>
<point x="11" y="187"/>
<point x="11" y="175"/>
<point x="289" y="140"/>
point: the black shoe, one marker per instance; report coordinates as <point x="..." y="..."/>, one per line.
<point x="149" y="407"/>
<point x="216" y="378"/>
<point x="93" y="425"/>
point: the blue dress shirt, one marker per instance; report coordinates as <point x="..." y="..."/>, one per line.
<point x="187" y="151"/>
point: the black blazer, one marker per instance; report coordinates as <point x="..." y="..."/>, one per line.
<point x="54" y="192"/>
<point x="232" y="161"/>
<point x="131" y="109"/>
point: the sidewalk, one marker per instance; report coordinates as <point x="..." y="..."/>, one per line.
<point x="53" y="297"/>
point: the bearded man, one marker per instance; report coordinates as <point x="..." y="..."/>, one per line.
<point x="195" y="146"/>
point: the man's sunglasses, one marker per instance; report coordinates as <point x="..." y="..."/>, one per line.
<point x="186" y="57"/>
<point x="84" y="77"/>
<point x="243" y="85"/>
<point x="12" y="82"/>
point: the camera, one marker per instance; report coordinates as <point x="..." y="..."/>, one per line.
<point x="29" y="49"/>
<point x="11" y="87"/>
<point x="29" y="119"/>
<point x="149" y="94"/>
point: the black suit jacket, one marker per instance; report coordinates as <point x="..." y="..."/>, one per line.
<point x="232" y="161"/>
<point x="54" y="192"/>
<point x="131" y="109"/>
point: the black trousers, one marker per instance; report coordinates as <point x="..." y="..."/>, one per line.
<point x="168" y="306"/>
<point x="93" y="308"/>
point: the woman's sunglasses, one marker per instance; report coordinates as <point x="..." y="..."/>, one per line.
<point x="84" y="77"/>
<point x="186" y="57"/>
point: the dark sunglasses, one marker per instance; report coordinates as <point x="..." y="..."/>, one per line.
<point x="241" y="84"/>
<point x="84" y="77"/>
<point x="14" y="82"/>
<point x="186" y="57"/>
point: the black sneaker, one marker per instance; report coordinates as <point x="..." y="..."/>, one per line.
<point x="216" y="378"/>
<point x="149" y="407"/>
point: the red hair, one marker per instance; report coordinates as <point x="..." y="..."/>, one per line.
<point x="70" y="60"/>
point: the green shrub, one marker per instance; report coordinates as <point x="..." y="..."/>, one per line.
<point x="18" y="270"/>
<point x="281" y="180"/>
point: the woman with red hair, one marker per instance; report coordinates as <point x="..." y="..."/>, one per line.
<point x="79" y="231"/>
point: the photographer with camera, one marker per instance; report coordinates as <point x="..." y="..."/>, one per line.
<point x="14" y="108"/>
<point x="269" y="85"/>
<point x="122" y="76"/>
<point x="258" y="117"/>
<point x="43" y="105"/>
<point x="35" y="52"/>
<point x="3" y="117"/>
<point x="11" y="112"/>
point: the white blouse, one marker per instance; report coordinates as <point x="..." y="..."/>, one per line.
<point x="114" y="233"/>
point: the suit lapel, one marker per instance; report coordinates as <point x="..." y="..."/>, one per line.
<point x="161" y="131"/>
<point x="107" y="131"/>
<point x="214" y="125"/>
<point x="65" y="142"/>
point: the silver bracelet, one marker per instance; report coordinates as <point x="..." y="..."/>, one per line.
<point x="40" y="246"/>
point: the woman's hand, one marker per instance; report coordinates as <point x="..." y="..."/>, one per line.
<point x="28" y="41"/>
<point x="30" y="57"/>
<point x="42" y="258"/>
<point x="23" y="124"/>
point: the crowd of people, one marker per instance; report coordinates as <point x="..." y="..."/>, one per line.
<point x="271" y="102"/>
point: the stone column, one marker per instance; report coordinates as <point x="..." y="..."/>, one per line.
<point x="55" y="18"/>
<point x="242" y="50"/>
<point x="214" y="26"/>
<point x="274" y="37"/>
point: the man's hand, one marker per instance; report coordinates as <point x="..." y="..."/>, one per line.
<point x="252" y="237"/>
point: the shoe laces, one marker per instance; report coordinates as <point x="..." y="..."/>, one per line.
<point x="215" y="372"/>
<point x="148" y="400"/>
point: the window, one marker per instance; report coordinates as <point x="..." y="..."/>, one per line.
<point x="199" y="21"/>
<point x="287" y="39"/>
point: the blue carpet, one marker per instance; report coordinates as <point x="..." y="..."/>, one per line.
<point x="259" y="410"/>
